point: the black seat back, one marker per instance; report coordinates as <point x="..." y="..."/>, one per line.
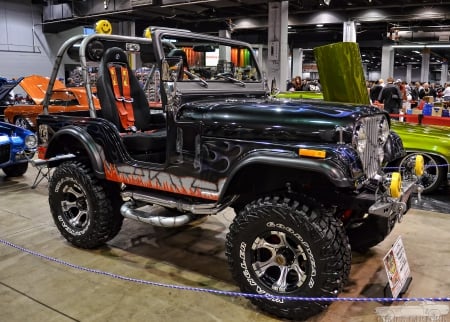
<point x="179" y="53"/>
<point x="117" y="58"/>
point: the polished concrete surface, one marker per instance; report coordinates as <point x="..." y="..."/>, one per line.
<point x="33" y="288"/>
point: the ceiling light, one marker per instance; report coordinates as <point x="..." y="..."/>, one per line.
<point x="437" y="46"/>
<point x="408" y="46"/>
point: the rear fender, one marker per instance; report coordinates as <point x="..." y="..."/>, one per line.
<point x="75" y="140"/>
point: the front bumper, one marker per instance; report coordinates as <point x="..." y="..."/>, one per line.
<point x="385" y="211"/>
<point x="395" y="208"/>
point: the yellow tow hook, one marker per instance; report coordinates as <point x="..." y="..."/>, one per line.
<point x="396" y="185"/>
<point x="419" y="166"/>
<point x="419" y="169"/>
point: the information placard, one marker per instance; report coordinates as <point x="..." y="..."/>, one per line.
<point x="397" y="267"/>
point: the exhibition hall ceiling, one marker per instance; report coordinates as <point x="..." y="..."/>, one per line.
<point x="311" y="22"/>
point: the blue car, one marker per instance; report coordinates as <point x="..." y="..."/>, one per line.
<point x="17" y="146"/>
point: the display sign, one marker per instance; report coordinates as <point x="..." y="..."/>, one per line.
<point x="212" y="58"/>
<point x="397" y="267"/>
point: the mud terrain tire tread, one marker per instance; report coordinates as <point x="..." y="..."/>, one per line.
<point x="105" y="220"/>
<point x="328" y="243"/>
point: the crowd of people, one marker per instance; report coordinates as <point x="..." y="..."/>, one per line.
<point x="299" y="84"/>
<point x="392" y="94"/>
<point x="389" y="95"/>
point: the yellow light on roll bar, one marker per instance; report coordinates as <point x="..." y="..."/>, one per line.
<point x="103" y="27"/>
<point x="320" y="154"/>
<point x="147" y="33"/>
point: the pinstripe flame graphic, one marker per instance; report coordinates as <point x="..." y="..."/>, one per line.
<point x="159" y="180"/>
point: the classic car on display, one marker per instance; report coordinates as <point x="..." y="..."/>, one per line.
<point x="304" y="179"/>
<point x="24" y="112"/>
<point x="17" y="146"/>
<point x="433" y="144"/>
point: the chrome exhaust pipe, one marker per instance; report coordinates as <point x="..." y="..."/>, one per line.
<point x="168" y="202"/>
<point x="128" y="211"/>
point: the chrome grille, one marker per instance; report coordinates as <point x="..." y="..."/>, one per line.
<point x="370" y="157"/>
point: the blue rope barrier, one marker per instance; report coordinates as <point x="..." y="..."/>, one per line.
<point x="426" y="166"/>
<point x="220" y="292"/>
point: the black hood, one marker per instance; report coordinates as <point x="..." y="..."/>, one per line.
<point x="275" y="119"/>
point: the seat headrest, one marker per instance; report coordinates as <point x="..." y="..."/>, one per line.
<point x="177" y="53"/>
<point x="115" y="55"/>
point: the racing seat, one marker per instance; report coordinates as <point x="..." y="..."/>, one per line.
<point x="123" y="102"/>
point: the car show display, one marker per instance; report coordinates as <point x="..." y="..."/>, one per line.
<point x="305" y="178"/>
<point x="17" y="146"/>
<point x="24" y="112"/>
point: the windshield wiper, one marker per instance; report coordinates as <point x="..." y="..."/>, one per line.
<point x="195" y="77"/>
<point x="231" y="79"/>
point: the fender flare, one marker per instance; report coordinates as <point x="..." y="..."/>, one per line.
<point x="288" y="160"/>
<point x="95" y="153"/>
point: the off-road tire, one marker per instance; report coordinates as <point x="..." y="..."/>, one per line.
<point x="84" y="209"/>
<point x="295" y="236"/>
<point x="16" y="170"/>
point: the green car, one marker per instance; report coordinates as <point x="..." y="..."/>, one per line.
<point x="300" y="95"/>
<point x="433" y="142"/>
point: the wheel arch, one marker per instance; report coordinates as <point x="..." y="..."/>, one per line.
<point x="263" y="174"/>
<point x="77" y="141"/>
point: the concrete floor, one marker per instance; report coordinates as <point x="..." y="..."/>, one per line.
<point x="33" y="288"/>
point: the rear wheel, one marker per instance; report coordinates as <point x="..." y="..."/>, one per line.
<point x="288" y="247"/>
<point x="85" y="210"/>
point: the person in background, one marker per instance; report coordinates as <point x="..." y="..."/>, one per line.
<point x="434" y="89"/>
<point x="402" y="88"/>
<point x="446" y="92"/>
<point x="295" y="84"/>
<point x="408" y="90"/>
<point x="426" y="91"/>
<point x="376" y="89"/>
<point x="391" y="97"/>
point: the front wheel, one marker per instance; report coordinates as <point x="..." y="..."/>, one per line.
<point x="16" y="170"/>
<point x="84" y="209"/>
<point x="288" y="247"/>
<point x="434" y="174"/>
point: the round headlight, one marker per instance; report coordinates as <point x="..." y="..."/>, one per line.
<point x="31" y="141"/>
<point x="360" y="138"/>
<point x="383" y="131"/>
